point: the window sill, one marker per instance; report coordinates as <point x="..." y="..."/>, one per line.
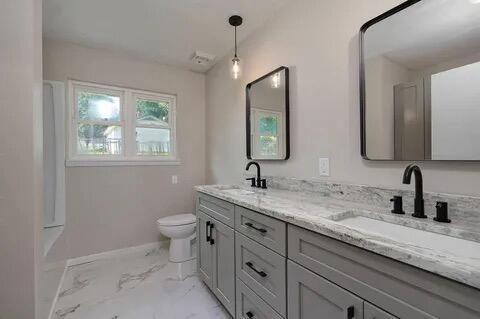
<point x="132" y="162"/>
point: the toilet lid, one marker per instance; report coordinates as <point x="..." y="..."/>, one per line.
<point x="176" y="220"/>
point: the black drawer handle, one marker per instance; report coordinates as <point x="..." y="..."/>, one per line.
<point x="260" y="272"/>
<point x="261" y="230"/>
<point x="249" y="314"/>
<point x="350" y="312"/>
<point x="207" y="230"/>
<point x="212" y="225"/>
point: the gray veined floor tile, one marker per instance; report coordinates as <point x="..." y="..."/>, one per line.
<point x="140" y="285"/>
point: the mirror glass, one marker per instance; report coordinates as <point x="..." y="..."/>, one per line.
<point x="421" y="82"/>
<point x="268" y="117"/>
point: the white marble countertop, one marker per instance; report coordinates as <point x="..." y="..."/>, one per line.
<point x="322" y="214"/>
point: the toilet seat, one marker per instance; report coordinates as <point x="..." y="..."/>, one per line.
<point x="177" y="220"/>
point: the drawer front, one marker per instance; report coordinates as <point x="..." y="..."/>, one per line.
<point x="251" y="306"/>
<point x="262" y="270"/>
<point x="266" y="230"/>
<point x="219" y="209"/>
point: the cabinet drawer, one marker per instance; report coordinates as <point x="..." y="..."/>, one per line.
<point x="219" y="209"/>
<point x="266" y="230"/>
<point x="262" y="270"/>
<point x="251" y="306"/>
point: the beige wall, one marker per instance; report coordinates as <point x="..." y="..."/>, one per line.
<point x="115" y="207"/>
<point x="318" y="40"/>
<point x="20" y="157"/>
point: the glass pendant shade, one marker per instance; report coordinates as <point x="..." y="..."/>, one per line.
<point x="236" y="71"/>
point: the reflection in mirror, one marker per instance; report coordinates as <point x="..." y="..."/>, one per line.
<point x="267" y="117"/>
<point x="421" y="73"/>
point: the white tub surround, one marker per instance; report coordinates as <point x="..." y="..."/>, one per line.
<point x="336" y="210"/>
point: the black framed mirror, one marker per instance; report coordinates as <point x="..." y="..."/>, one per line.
<point x="267" y="116"/>
<point x="419" y="75"/>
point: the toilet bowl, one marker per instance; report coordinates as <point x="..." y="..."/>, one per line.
<point x="181" y="230"/>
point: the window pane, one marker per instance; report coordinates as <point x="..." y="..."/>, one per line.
<point x="268" y="125"/>
<point x="99" y="139"/>
<point x="98" y="107"/>
<point x="153" y="141"/>
<point x="152" y="112"/>
<point x="268" y="145"/>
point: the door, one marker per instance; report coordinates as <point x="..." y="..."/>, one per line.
<point x="204" y="249"/>
<point x="223" y="244"/>
<point x="310" y="296"/>
<point x="372" y="312"/>
<point x="409" y="129"/>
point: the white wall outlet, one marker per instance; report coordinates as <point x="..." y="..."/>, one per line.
<point x="174" y="179"/>
<point x="324" y="166"/>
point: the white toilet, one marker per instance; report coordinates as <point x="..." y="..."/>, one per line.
<point x="181" y="231"/>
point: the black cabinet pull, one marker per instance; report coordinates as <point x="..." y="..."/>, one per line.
<point x="261" y="230"/>
<point x="212" y="241"/>
<point x="249" y="314"/>
<point x="260" y="272"/>
<point x="207" y="230"/>
<point x="350" y="312"/>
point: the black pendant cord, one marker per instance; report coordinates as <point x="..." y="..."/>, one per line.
<point x="235" y="41"/>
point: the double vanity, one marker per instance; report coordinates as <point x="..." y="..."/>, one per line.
<point x="309" y="249"/>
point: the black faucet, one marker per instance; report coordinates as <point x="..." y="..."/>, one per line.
<point x="419" y="208"/>
<point x="259" y="181"/>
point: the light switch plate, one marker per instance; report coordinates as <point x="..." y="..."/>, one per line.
<point x="174" y="179"/>
<point x="324" y="166"/>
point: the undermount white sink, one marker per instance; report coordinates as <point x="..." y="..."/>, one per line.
<point x="420" y="238"/>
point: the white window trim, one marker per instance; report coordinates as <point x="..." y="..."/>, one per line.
<point x="128" y="123"/>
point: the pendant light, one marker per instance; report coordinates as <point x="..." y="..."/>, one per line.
<point x="235" y="21"/>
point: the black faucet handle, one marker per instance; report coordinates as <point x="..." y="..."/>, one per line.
<point x="252" y="179"/>
<point x="442" y="213"/>
<point x="397" y="205"/>
<point x="263" y="183"/>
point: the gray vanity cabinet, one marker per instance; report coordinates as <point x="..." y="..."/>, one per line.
<point x="204" y="249"/>
<point x="311" y="297"/>
<point x="216" y="250"/>
<point x="372" y="312"/>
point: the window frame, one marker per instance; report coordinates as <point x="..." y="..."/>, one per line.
<point x="128" y="124"/>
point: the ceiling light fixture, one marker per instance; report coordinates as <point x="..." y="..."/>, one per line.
<point x="235" y="21"/>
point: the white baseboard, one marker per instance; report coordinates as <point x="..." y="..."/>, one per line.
<point x="116" y="252"/>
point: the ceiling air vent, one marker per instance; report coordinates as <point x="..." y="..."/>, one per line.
<point x="202" y="58"/>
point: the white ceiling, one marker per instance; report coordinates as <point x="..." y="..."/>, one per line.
<point x="165" y="31"/>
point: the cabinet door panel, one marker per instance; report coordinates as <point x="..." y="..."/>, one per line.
<point x="224" y="264"/>
<point x="372" y="312"/>
<point x="312" y="297"/>
<point x="204" y="250"/>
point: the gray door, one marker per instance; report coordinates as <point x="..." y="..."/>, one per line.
<point x="224" y="264"/>
<point x="310" y="296"/>
<point x="204" y="250"/>
<point x="372" y="312"/>
<point x="409" y="121"/>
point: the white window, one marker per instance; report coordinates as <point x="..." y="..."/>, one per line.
<point x="119" y="126"/>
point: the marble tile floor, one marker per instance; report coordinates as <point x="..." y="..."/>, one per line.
<point x="138" y="285"/>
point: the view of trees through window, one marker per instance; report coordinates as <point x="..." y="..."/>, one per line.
<point x="95" y="138"/>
